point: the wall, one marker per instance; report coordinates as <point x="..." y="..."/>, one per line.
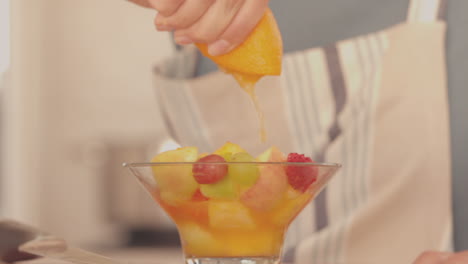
<point x="4" y="65"/>
<point x="81" y="76"/>
<point x="4" y="34"/>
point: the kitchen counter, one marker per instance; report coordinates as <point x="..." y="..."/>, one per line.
<point x="133" y="256"/>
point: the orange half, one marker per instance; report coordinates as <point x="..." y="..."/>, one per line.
<point x="260" y="54"/>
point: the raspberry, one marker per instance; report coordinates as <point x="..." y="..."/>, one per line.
<point x="300" y="177"/>
<point x="206" y="173"/>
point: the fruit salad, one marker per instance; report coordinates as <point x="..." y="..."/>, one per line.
<point x="229" y="203"/>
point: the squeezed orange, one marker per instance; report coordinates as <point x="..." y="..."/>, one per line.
<point x="259" y="55"/>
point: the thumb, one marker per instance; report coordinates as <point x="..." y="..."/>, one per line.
<point x="240" y="27"/>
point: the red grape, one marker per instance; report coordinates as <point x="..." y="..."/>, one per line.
<point x="206" y="173"/>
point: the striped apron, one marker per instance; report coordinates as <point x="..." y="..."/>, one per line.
<point x="375" y="103"/>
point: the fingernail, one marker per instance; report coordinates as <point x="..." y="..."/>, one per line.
<point x="219" y="47"/>
<point x="164" y="28"/>
<point x="183" y="40"/>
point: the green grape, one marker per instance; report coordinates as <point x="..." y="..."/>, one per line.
<point x="243" y="174"/>
<point x="227" y="156"/>
<point x="224" y="189"/>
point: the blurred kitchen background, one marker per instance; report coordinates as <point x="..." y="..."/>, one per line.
<point x="77" y="101"/>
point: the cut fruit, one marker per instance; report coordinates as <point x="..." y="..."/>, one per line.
<point x="176" y="183"/>
<point x="243" y="209"/>
<point x="194" y="210"/>
<point x="270" y="186"/>
<point x="291" y="193"/>
<point x="291" y="206"/>
<point x="185" y="154"/>
<point x="198" y="240"/>
<point x="243" y="174"/>
<point x="198" y="196"/>
<point x="207" y="171"/>
<point x="229" y="215"/>
<point x="229" y="148"/>
<point x="204" y="154"/>
<point x="259" y="242"/>
<point x="260" y="54"/>
<point x="267" y="191"/>
<point x="197" y="211"/>
<point x="224" y="189"/>
<point x="171" y="198"/>
<point x="272" y="154"/>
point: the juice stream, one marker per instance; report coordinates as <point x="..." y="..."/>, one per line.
<point x="247" y="83"/>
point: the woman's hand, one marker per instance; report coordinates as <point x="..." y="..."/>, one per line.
<point x="222" y="24"/>
<point x="435" y="257"/>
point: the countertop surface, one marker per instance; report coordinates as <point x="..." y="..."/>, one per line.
<point x="132" y="256"/>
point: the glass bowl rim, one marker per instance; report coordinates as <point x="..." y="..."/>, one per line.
<point x="153" y="164"/>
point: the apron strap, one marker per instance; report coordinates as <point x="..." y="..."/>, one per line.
<point x="426" y="10"/>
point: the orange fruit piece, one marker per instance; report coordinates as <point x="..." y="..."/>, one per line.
<point x="260" y="54"/>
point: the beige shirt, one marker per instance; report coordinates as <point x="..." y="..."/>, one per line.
<point x="377" y="104"/>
